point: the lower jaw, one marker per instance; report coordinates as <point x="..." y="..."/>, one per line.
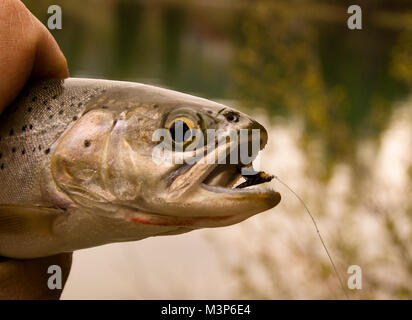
<point x="223" y="215"/>
<point x="244" y="203"/>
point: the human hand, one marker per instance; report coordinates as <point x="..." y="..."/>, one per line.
<point x="27" y="50"/>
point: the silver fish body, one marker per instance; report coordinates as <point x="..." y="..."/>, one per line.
<point x="77" y="168"/>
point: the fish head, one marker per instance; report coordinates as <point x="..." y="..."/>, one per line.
<point x="157" y="157"/>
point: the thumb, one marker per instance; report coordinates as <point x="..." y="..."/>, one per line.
<point x="27" y="49"/>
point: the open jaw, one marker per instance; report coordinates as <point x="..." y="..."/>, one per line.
<point x="223" y="179"/>
<point x="228" y="200"/>
<point x="218" y="200"/>
<point x="207" y="194"/>
<point x="233" y="178"/>
<point x="227" y="178"/>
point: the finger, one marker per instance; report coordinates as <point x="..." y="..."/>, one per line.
<point x="26" y="49"/>
<point x="28" y="279"/>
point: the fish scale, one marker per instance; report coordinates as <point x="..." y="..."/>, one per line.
<point x="30" y="126"/>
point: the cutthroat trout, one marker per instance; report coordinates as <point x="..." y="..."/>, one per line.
<point x="77" y="168"/>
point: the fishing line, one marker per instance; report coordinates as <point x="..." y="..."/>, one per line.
<point x="318" y="232"/>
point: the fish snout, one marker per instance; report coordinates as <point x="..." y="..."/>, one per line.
<point x="254" y="125"/>
<point x="243" y="122"/>
<point x="252" y="128"/>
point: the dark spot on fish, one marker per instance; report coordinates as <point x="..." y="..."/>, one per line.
<point x="34" y="149"/>
<point x="29" y="109"/>
<point x="2" y="166"/>
<point x="156" y="106"/>
<point x="87" y="143"/>
<point x="11" y="132"/>
<point x="48" y="108"/>
<point x="54" y="97"/>
<point x="13" y="149"/>
<point x="105" y="107"/>
<point x="47" y="151"/>
<point x="85" y="91"/>
<point x="62" y="104"/>
<point x="24" y="128"/>
<point x="72" y="105"/>
<point x="61" y="112"/>
<point x="23" y="151"/>
<point x="209" y="111"/>
<point x="39" y="147"/>
<point x="51" y="116"/>
<point x="31" y="127"/>
<point x="34" y="99"/>
<point x="75" y="118"/>
<point x="80" y="104"/>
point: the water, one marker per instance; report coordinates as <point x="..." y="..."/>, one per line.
<point x="337" y="106"/>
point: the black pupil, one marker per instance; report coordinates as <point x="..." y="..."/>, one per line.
<point x="180" y="131"/>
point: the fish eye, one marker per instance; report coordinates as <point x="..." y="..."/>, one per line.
<point x="181" y="130"/>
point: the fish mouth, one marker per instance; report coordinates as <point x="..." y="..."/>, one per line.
<point x="228" y="178"/>
<point x="211" y="194"/>
<point x="219" y="189"/>
<point x="224" y="197"/>
<point x="225" y="177"/>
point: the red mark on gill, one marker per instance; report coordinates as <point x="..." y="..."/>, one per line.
<point x="141" y="221"/>
<point x="177" y="221"/>
<point x="158" y="221"/>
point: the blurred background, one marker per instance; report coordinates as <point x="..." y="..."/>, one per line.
<point x="338" y="108"/>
